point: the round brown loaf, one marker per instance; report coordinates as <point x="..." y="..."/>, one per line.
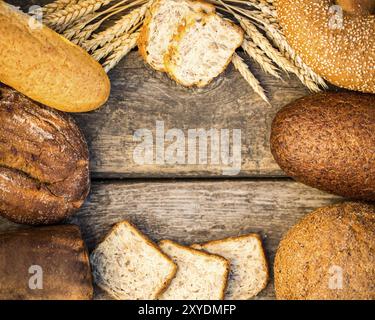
<point x="44" y="175"/>
<point x="329" y="254"/>
<point x="345" y="56"/>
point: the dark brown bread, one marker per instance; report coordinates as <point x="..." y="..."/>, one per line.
<point x="329" y="254"/>
<point x="60" y="253"/>
<point x="327" y="141"/>
<point x="44" y="175"/>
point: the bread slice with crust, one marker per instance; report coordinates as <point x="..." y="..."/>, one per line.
<point x="200" y="275"/>
<point x="128" y="266"/>
<point x="160" y="25"/>
<point x="201" y="49"/>
<point x="249" y="270"/>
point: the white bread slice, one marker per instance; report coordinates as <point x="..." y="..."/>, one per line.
<point x="160" y="25"/>
<point x="200" y="276"/>
<point x="128" y="266"/>
<point x="249" y="270"/>
<point x="202" y="49"/>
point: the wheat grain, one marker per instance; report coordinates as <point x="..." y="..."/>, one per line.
<point x="258" y="56"/>
<point x="127" y="44"/>
<point x="121" y="26"/>
<point x="243" y="69"/>
<point x="57" y="5"/>
<point x="65" y="17"/>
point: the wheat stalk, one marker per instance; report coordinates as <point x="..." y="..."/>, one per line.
<point x="57" y="5"/>
<point x="128" y="42"/>
<point x="65" y="17"/>
<point x="258" y="56"/>
<point x="243" y="69"/>
<point x="121" y="26"/>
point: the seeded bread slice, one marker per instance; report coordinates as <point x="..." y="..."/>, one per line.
<point x="128" y="266"/>
<point x="201" y="49"/>
<point x="200" y="276"/>
<point x="249" y="270"/>
<point x="160" y="25"/>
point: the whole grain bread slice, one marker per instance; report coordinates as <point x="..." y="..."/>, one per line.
<point x="161" y="24"/>
<point x="201" y="49"/>
<point x="200" y="275"/>
<point x="249" y="269"/>
<point x="128" y="266"/>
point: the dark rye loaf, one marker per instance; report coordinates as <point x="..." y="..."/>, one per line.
<point x="60" y="253"/>
<point x="44" y="162"/>
<point x="327" y="141"/>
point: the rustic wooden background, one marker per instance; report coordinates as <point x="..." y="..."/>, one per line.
<point x="189" y="203"/>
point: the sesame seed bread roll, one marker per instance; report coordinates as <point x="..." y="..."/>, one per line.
<point x="46" y="67"/>
<point x="337" y="44"/>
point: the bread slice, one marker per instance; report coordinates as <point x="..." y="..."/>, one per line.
<point x="200" y="276"/>
<point x="160" y="25"/>
<point x="128" y="266"/>
<point x="202" y="49"/>
<point x="249" y="270"/>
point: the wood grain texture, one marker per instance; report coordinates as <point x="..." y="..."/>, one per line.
<point x="198" y="211"/>
<point x="141" y="96"/>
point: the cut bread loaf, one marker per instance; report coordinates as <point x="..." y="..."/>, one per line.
<point x="160" y="25"/>
<point x="201" y="49"/>
<point x="248" y="265"/>
<point x="128" y="266"/>
<point x="200" y="276"/>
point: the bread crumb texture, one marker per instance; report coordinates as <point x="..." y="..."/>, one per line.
<point x="129" y="266"/>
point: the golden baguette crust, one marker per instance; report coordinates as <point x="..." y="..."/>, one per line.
<point x="48" y="68"/>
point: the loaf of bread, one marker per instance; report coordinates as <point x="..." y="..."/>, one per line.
<point x="44" y="162"/>
<point x="248" y="264"/>
<point x="329" y="254"/>
<point x="46" y="67"/>
<point x="327" y="141"/>
<point x="200" y="275"/>
<point x="128" y="266"/>
<point x="202" y="49"/>
<point x="45" y="263"/>
<point x="162" y="23"/>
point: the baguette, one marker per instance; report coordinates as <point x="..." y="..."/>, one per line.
<point x="202" y="49"/>
<point x="46" y="263"/>
<point x="46" y="67"/>
<point x="160" y="25"/>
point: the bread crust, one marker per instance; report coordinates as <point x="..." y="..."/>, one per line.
<point x="62" y="256"/>
<point x="131" y="226"/>
<point x="173" y="50"/>
<point x="204" y="254"/>
<point x="343" y="54"/>
<point x="326" y="141"/>
<point x="48" y="68"/>
<point x="44" y="163"/>
<point x="331" y="245"/>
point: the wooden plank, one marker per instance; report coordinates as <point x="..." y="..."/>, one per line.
<point x="189" y="212"/>
<point x="141" y="96"/>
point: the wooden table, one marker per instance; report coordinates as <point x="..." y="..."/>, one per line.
<point x="189" y="203"/>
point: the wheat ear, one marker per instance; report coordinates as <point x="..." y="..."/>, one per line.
<point x="128" y="42"/>
<point x="65" y="17"/>
<point x="243" y="69"/>
<point x="121" y="26"/>
<point x="57" y="5"/>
